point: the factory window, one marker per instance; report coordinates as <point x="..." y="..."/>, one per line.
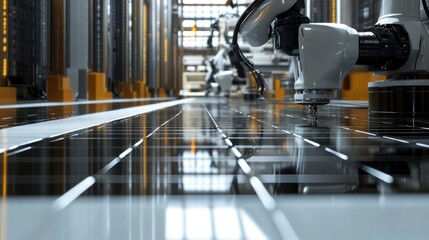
<point x="197" y="17"/>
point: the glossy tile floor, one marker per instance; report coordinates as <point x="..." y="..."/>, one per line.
<point x="212" y="169"/>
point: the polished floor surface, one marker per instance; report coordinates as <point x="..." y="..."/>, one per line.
<point x="211" y="169"/>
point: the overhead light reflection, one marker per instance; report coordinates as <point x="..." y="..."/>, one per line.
<point x="125" y="153"/>
<point x="199" y="162"/>
<point x="262" y="193"/>
<point x="198" y="223"/>
<point x="138" y="143"/>
<point x="236" y="152"/>
<point x="174" y="228"/>
<point x="312" y="143"/>
<point x="210" y="223"/>
<point x="366" y="133"/>
<point x="244" y="166"/>
<point x="229" y="143"/>
<point x="284" y="225"/>
<point x="338" y="154"/>
<point x="206" y="184"/>
<point x="251" y="229"/>
<point x="68" y="197"/>
<point x="19" y="151"/>
<point x="226" y="223"/>
<point x="396" y="140"/>
<point x="418" y="144"/>
<point x="378" y="174"/>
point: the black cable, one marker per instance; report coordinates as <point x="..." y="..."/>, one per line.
<point x="237" y="50"/>
<point x="425" y="7"/>
<point x="259" y="77"/>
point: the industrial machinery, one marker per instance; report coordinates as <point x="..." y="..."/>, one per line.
<point x="224" y="69"/>
<point x="324" y="53"/>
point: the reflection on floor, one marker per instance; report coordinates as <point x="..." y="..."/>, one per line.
<point x="205" y="169"/>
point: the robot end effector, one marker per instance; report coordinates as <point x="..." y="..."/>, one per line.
<point x="328" y="53"/>
<point x="325" y="53"/>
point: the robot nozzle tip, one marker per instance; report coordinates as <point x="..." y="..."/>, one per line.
<point x="260" y="81"/>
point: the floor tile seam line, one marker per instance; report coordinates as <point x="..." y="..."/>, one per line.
<point x="308" y="141"/>
<point x="406" y="126"/>
<point x="342" y="117"/>
<point x="231" y="146"/>
<point x="56" y="128"/>
<point x="135" y="146"/>
<point x="247" y="170"/>
<point x="381" y="176"/>
<point x="397" y="140"/>
<point x="262" y="192"/>
<point x="75" y="192"/>
<point x="307" y="119"/>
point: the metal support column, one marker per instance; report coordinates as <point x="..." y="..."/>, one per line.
<point x="154" y="46"/>
<point x="120" y="14"/>
<point x="180" y="51"/>
<point x="42" y="48"/>
<point x="58" y="85"/>
<point x="98" y="51"/>
<point x="168" y="41"/>
<point x="57" y="37"/>
<point x="77" y="44"/>
<point x="345" y="13"/>
<point x="319" y="11"/>
<point x="24" y="44"/>
<point x="145" y="37"/>
<point x="137" y="42"/>
<point x="166" y="36"/>
<point x="175" y="55"/>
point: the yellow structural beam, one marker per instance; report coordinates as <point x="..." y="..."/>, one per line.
<point x="142" y="90"/>
<point x="59" y="89"/>
<point x="7" y="95"/>
<point x="162" y="93"/>
<point x="279" y="92"/>
<point x="333" y="11"/>
<point x="97" y="87"/>
<point x="128" y="92"/>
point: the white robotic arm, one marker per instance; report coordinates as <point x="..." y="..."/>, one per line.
<point x="255" y="27"/>
<point x="325" y="53"/>
<point x="397" y="45"/>
<point x="324" y="62"/>
<point x="255" y="30"/>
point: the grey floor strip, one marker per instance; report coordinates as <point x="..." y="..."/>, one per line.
<point x="11" y="138"/>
